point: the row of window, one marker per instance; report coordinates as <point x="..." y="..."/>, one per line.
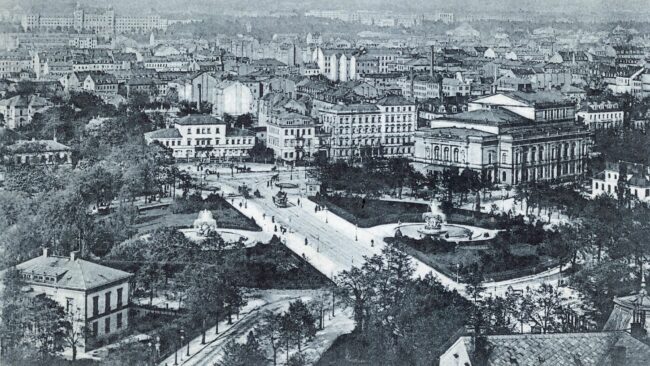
<point x="107" y="302"/>
<point x="107" y="324"/>
<point x="633" y="191"/>
<point x="370" y="141"/>
<point x="366" y="129"/>
<point x="203" y="130"/>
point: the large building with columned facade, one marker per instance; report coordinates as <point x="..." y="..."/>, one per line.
<point x="509" y="137"/>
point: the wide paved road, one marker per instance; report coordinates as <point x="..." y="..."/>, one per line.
<point x="334" y="244"/>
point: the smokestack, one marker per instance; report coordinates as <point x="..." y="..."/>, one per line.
<point x="433" y="58"/>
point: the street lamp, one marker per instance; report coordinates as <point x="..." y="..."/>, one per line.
<point x="356" y="236"/>
<point x="188" y="347"/>
<point x="157" y="354"/>
<point x="182" y="340"/>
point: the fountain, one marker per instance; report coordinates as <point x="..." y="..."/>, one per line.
<point x="205" y="223"/>
<point x="433" y="221"/>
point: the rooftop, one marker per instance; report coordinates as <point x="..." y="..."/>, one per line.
<point x="199" y="119"/>
<point x="72" y="273"/>
<point x="36" y="146"/>
<point x="489" y="117"/>
<point x="166" y="133"/>
<point x="567" y="349"/>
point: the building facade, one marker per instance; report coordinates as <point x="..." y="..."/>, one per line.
<point x="382" y="129"/>
<point x="510" y="138"/>
<point x="96" y="296"/>
<point x="203" y="136"/>
<point x="292" y="136"/>
<point x="600" y="116"/>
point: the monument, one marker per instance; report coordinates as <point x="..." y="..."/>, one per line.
<point x="205" y="222"/>
<point x="433" y="221"/>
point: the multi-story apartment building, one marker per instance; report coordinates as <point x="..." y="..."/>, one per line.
<point x="105" y="21"/>
<point x="203" y="136"/>
<point x="336" y="64"/>
<point x="382" y="129"/>
<point x="96" y="296"/>
<point x="510" y="137"/>
<point x="12" y="63"/>
<point x="604" y="115"/>
<point x="292" y="136"/>
<point x="420" y="87"/>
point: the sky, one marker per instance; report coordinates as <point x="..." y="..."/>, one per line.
<point x="571" y="7"/>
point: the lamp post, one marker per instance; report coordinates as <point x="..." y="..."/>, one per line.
<point x="151" y="350"/>
<point x="182" y="340"/>
<point x="188" y="347"/>
<point x="157" y="351"/>
<point x="356" y="229"/>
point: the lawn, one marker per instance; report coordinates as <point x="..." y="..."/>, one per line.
<point x="501" y="261"/>
<point x="372" y="212"/>
<point x="227" y="218"/>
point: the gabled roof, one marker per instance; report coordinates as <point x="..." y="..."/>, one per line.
<point x="78" y="274"/>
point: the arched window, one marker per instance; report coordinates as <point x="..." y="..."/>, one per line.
<point x="503" y="176"/>
<point x="540" y="155"/>
<point x="436" y="152"/>
<point x="532" y="154"/>
<point x="456" y="154"/>
<point x="446" y="153"/>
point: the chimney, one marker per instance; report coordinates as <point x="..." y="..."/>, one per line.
<point x="433" y="58"/>
<point x="618" y="356"/>
<point x="73" y="255"/>
<point x="45" y="252"/>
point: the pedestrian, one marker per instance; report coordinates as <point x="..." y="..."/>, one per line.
<point x="298" y="201"/>
<point x="306" y="241"/>
<point x="275" y="228"/>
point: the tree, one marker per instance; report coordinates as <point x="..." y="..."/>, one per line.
<point x="47" y="326"/>
<point x="151" y="276"/>
<point x="542" y="307"/>
<point x="247" y="354"/>
<point x="75" y="335"/>
<point x="205" y="296"/>
<point x="301" y="323"/>
<point x="270" y="333"/>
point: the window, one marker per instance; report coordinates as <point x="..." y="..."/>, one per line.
<point x="95" y="329"/>
<point x="69" y="304"/>
<point x="107" y="325"/>
<point x="189" y="131"/>
<point x="95" y="305"/>
<point x="119" y="321"/>
<point x="119" y="297"/>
